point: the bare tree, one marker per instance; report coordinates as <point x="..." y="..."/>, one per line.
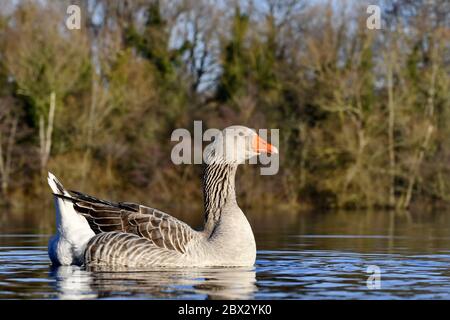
<point x="45" y="134"/>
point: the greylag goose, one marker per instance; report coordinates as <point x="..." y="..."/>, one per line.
<point x="97" y="232"/>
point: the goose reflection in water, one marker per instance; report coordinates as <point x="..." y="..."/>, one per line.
<point x="73" y="282"/>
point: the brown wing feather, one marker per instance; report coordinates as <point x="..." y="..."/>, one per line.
<point x="160" y="228"/>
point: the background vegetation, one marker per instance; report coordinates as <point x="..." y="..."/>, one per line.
<point x="363" y="114"/>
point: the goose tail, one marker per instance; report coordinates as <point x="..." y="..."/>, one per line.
<point x="56" y="186"/>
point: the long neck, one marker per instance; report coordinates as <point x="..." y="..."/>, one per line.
<point x="218" y="191"/>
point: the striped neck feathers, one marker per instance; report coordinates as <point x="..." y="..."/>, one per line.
<point x="218" y="191"/>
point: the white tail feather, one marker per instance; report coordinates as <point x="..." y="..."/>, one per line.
<point x="55" y="185"/>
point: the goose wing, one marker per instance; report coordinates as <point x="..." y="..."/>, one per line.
<point x="160" y="228"/>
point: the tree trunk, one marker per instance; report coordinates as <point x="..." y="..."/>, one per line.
<point x="429" y="112"/>
<point x="391" y="128"/>
<point x="416" y="166"/>
<point x="45" y="134"/>
<point x="90" y="129"/>
<point x="5" y="160"/>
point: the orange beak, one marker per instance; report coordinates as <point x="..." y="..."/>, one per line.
<point x="260" y="145"/>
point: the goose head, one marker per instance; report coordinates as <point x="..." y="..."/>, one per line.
<point x="235" y="145"/>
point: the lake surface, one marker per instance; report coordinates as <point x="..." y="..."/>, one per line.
<point x="300" y="256"/>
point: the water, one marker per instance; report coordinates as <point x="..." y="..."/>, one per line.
<point x="300" y="256"/>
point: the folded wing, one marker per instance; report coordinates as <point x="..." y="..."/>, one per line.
<point x="161" y="229"/>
